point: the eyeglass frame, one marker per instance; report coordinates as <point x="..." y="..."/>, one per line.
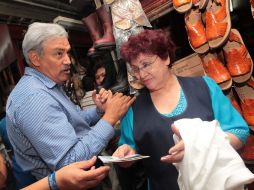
<point x="145" y="64"/>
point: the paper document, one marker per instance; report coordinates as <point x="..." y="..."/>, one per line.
<point x="111" y="159"/>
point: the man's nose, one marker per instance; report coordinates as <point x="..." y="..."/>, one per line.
<point x="67" y="59"/>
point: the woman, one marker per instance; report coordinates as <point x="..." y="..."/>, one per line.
<point x="145" y="129"/>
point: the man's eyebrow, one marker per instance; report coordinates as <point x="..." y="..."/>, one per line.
<point x="62" y="49"/>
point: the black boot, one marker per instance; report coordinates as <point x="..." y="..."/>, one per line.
<point x="121" y="83"/>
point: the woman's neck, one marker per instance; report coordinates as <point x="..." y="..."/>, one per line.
<point x="170" y="84"/>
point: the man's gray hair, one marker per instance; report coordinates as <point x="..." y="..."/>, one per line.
<point x="38" y="33"/>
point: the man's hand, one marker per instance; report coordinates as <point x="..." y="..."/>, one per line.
<point x="3" y="172"/>
<point x="116" y="106"/>
<point x="81" y="175"/>
<point x="122" y="151"/>
<point x="175" y="153"/>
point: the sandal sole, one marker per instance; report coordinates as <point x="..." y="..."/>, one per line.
<point x="183" y="8"/>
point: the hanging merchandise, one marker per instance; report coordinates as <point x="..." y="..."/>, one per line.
<point x="196" y="31"/>
<point x="238" y="60"/>
<point x="182" y="6"/>
<point x="128" y="19"/>
<point x="99" y="26"/>
<point x="215" y="69"/>
<point x="246" y="95"/>
<point x="218" y="22"/>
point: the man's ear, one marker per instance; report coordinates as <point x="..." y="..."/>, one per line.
<point x="34" y="58"/>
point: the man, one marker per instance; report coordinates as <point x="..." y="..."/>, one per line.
<point x="46" y="129"/>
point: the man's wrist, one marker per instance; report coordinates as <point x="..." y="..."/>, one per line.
<point x="52" y="181"/>
<point x="99" y="112"/>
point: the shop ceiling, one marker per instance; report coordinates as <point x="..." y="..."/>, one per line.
<point x="24" y="12"/>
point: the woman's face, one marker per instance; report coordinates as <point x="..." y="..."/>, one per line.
<point x="150" y="70"/>
<point x="100" y="75"/>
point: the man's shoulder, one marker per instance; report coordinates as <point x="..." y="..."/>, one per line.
<point x="25" y="89"/>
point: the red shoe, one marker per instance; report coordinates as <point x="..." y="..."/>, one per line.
<point x="246" y="95"/>
<point x="218" y="22"/>
<point x="238" y="60"/>
<point x="196" y="31"/>
<point x="215" y="69"/>
<point x="248" y="110"/>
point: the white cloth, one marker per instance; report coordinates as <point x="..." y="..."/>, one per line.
<point x="210" y="162"/>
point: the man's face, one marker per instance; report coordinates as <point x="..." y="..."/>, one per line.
<point x="100" y="75"/>
<point x="54" y="61"/>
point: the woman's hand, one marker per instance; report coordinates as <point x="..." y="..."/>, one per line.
<point x="175" y="153"/>
<point x="80" y="175"/>
<point x="101" y="98"/>
<point x="122" y="151"/>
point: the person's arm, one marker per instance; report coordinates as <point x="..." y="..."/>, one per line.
<point x="80" y="175"/>
<point x="126" y="143"/>
<point x="60" y="144"/>
<point x="127" y="130"/>
<point x="54" y="137"/>
<point x="229" y="118"/>
<point x="3" y="172"/>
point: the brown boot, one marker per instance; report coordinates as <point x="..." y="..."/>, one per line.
<point x="93" y="26"/>
<point x="108" y="40"/>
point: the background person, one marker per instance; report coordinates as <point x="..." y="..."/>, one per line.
<point x="16" y="176"/>
<point x="46" y="129"/>
<point x="100" y="73"/>
<point x="145" y="129"/>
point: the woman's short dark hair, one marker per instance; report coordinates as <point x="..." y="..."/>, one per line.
<point x="157" y="42"/>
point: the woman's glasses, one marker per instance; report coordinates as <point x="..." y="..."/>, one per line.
<point x="146" y="66"/>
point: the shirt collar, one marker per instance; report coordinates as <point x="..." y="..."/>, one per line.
<point x="43" y="78"/>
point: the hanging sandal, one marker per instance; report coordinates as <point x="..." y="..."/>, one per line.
<point x="182" y="6"/>
<point x="238" y="60"/>
<point x="196" y="31"/>
<point x="218" y="23"/>
<point x="246" y="95"/>
<point x="215" y="69"/>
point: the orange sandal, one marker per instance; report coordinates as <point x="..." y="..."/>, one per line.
<point x="218" y="23"/>
<point x="196" y="31"/>
<point x="238" y="60"/>
<point x="182" y="6"/>
<point x="246" y="95"/>
<point x="215" y="69"/>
